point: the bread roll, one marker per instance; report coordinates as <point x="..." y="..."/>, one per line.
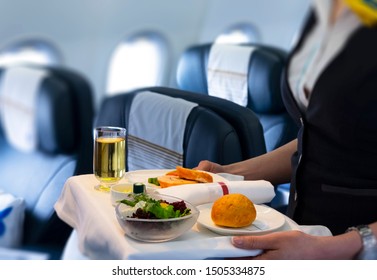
<point x="233" y="210"/>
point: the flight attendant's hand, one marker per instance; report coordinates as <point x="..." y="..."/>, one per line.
<point x="209" y="166"/>
<point x="297" y="245"/>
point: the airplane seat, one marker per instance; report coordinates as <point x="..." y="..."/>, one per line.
<point x="247" y="74"/>
<point x="246" y="123"/>
<point x="46" y="117"/>
<point x="165" y="131"/>
<point x="212" y="69"/>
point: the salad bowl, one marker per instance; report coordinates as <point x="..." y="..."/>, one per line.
<point x="156" y="229"/>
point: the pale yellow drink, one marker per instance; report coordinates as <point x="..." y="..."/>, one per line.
<point x="109" y="159"/>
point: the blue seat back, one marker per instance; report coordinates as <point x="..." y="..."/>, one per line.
<point x="263" y="72"/>
<point x="56" y="145"/>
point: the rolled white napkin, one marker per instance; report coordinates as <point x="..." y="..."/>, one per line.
<point x="258" y="191"/>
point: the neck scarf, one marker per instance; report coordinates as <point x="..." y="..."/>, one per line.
<point x="366" y="10"/>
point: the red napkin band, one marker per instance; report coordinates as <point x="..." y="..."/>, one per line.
<point x="224" y="187"/>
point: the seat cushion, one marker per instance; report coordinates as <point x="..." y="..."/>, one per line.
<point x="39" y="186"/>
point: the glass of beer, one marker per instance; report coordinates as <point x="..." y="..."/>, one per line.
<point x="109" y="156"/>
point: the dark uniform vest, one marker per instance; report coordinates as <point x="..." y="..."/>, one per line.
<point x="334" y="180"/>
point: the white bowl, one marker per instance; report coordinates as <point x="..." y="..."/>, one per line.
<point x="157" y="230"/>
<point x="119" y="192"/>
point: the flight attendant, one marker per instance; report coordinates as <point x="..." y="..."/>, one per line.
<point x="330" y="89"/>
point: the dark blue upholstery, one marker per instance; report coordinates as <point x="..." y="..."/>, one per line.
<point x="264" y="95"/>
<point x="208" y="135"/>
<point x="64" y="117"/>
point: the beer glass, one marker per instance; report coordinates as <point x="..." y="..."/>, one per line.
<point x="109" y="156"/>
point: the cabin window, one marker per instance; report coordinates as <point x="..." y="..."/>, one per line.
<point x="138" y="61"/>
<point x="30" y="51"/>
<point x="239" y="33"/>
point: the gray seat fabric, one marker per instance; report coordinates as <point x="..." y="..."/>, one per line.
<point x="63" y="109"/>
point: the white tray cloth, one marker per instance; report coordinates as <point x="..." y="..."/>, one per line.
<point x="99" y="236"/>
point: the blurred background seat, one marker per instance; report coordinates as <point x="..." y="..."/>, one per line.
<point x="46" y="118"/>
<point x="247" y="74"/>
<point x="167" y="128"/>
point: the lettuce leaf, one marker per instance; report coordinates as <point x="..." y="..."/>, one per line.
<point x="155" y="207"/>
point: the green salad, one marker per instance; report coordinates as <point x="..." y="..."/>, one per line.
<point x="143" y="206"/>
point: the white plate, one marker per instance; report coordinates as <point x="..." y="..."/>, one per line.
<point x="143" y="175"/>
<point x="267" y="220"/>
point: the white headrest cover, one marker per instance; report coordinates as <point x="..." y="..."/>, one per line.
<point x="227" y="72"/>
<point x="156" y="131"/>
<point x="18" y="93"/>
